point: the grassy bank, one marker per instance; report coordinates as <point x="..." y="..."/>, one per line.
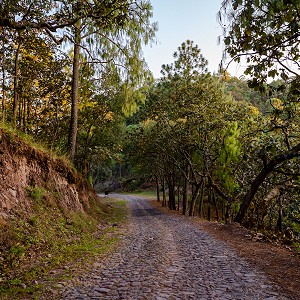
<point x="50" y="239"/>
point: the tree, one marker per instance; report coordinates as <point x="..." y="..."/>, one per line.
<point x="115" y="42"/>
<point x="190" y="114"/>
<point x="50" y="17"/>
<point x="240" y="91"/>
<point x="266" y="33"/>
<point x="108" y="34"/>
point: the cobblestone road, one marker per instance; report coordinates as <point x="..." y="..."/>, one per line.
<point x="168" y="257"/>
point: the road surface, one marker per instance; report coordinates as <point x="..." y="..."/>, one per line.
<point x="166" y="256"/>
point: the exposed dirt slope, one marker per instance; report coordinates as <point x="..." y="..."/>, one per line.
<point x="24" y="169"/>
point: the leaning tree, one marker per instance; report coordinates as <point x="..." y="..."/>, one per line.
<point x="266" y="35"/>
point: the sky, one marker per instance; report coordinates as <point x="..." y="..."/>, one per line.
<point x="179" y="20"/>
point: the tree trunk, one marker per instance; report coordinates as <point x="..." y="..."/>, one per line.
<point x="178" y="197"/>
<point x="23" y="117"/>
<point x="16" y="81"/>
<point x="172" y="196"/>
<point x="260" y="178"/>
<point x="200" y="210"/>
<point x="3" y="93"/>
<point x="3" y="82"/>
<point x="193" y="201"/>
<point x="214" y="200"/>
<point x="185" y="191"/>
<point x="280" y="216"/>
<point x="157" y="188"/>
<point x="74" y="106"/>
<point x="172" y="203"/>
<point x="227" y="215"/>
<point x="209" y="192"/>
<point x="208" y="212"/>
<point x="164" y="192"/>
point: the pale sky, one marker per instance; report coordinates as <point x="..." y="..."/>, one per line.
<point x="179" y="20"/>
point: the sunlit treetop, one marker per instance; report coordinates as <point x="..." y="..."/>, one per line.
<point x="188" y="62"/>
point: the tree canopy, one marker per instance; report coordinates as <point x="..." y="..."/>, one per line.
<point x="266" y="34"/>
<point x="106" y="37"/>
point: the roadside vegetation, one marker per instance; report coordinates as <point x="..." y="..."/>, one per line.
<point x="50" y="239"/>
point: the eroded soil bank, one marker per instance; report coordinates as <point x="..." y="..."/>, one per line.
<point x="48" y="215"/>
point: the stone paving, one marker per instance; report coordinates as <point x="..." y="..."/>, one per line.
<point x="168" y="257"/>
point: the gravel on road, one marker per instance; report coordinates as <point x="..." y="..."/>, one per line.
<point x="165" y="256"/>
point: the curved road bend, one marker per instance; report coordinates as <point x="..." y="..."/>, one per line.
<point x="168" y="257"/>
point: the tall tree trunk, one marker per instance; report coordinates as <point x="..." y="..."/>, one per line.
<point x="280" y="215"/>
<point x="157" y="188"/>
<point x="256" y="183"/>
<point x="178" y="197"/>
<point x="16" y="81"/>
<point x="171" y="202"/>
<point x="24" y="115"/>
<point x="193" y="201"/>
<point x="215" y="204"/>
<point x="185" y="191"/>
<point x="3" y="79"/>
<point x="209" y="202"/>
<point x="75" y="87"/>
<point x="164" y="192"/>
<point x="172" y="196"/>
<point x="200" y="210"/>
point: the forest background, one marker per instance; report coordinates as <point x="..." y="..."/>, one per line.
<point x="73" y="78"/>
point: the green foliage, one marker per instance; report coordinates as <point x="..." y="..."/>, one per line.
<point x="37" y="75"/>
<point x="36" y="193"/>
<point x="117" y="46"/>
<point x="266" y="33"/>
<point x="240" y="91"/>
<point x="188" y="64"/>
<point x="230" y="154"/>
<point x="187" y="120"/>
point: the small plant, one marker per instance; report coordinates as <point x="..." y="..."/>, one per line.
<point x="16" y="253"/>
<point x="36" y="193"/>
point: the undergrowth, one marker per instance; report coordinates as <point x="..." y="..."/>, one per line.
<point x="49" y="238"/>
<point x="27" y="139"/>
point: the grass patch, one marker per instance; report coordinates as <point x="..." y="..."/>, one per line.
<point x="49" y="239"/>
<point x="16" y="136"/>
<point x="36" y="193"/>
<point x="148" y="194"/>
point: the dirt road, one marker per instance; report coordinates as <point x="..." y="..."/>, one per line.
<point x="167" y="257"/>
